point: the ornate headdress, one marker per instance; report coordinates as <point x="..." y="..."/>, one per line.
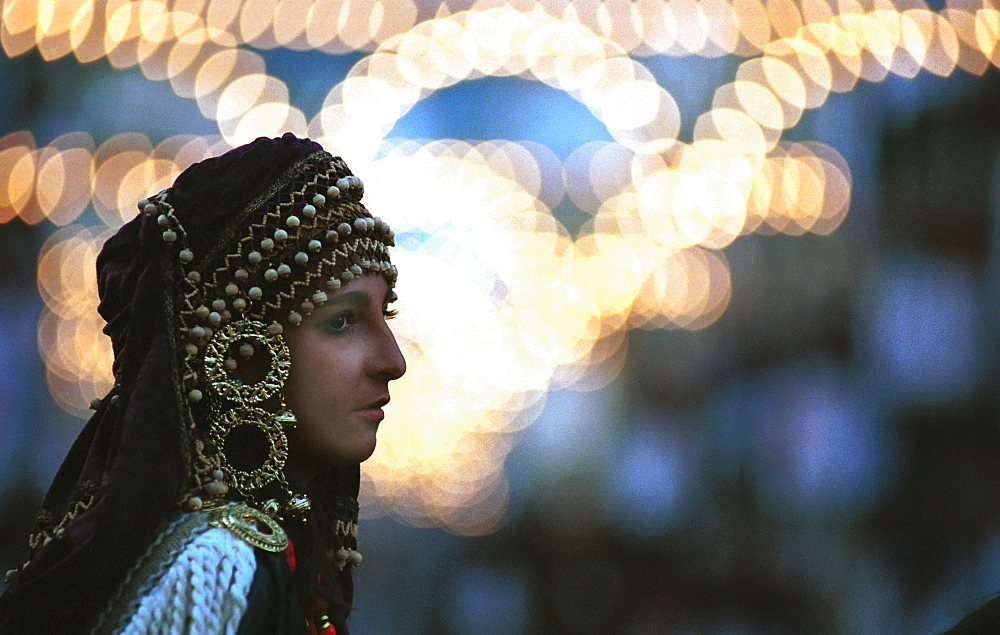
<point x="196" y="292"/>
<point x="306" y="235"/>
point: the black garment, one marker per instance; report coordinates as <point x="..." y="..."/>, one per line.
<point x="983" y="621"/>
<point x="272" y="603"/>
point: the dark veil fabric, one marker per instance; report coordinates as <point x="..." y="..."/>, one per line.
<point x="124" y="474"/>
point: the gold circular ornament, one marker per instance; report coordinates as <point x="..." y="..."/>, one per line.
<point x="239" y="335"/>
<point x="238" y="435"/>
<point x="251" y="526"/>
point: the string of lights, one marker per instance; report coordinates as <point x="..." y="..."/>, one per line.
<point x="546" y="307"/>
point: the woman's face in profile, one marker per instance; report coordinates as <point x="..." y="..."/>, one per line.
<point x="343" y="357"/>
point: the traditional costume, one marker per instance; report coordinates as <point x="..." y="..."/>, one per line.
<point x="172" y="512"/>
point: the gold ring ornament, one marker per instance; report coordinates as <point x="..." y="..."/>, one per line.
<point x="250" y="337"/>
<point x="253" y="527"/>
<point x="236" y="430"/>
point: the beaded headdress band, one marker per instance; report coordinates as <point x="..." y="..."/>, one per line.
<point x="304" y="237"/>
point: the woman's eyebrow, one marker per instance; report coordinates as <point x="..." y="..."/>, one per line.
<point x="358" y="298"/>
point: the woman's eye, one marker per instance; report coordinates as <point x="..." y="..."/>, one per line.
<point x="339" y="322"/>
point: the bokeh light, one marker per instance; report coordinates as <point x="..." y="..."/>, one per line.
<point x="545" y="306"/>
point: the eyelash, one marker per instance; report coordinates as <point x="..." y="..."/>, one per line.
<point x="348" y="318"/>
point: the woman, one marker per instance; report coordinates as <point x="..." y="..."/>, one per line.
<point x="215" y="488"/>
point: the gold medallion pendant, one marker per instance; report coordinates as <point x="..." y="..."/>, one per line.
<point x="252" y="526"/>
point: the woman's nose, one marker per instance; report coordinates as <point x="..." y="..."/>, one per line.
<point x="387" y="360"/>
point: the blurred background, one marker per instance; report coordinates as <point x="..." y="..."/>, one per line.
<point x="699" y="297"/>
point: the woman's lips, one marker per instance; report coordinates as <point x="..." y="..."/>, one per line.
<point x="375" y="414"/>
<point x="374" y="409"/>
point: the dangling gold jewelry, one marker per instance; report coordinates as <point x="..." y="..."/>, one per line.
<point x="242" y="427"/>
<point x="246" y="333"/>
<point x="239" y="425"/>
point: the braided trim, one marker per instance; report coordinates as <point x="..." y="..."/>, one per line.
<point x="204" y="590"/>
<point x="149" y="569"/>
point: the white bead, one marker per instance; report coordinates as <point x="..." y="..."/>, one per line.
<point x="301" y="258"/>
<point x="254" y="257"/>
<point x="163" y="220"/>
<point x="246" y="350"/>
<point x="194" y="396"/>
<point x="267" y="244"/>
<point x="196" y="333"/>
<point x="143" y="202"/>
<point x="284" y="270"/>
<point x="201" y="312"/>
<point x="275" y="328"/>
<point x="270" y="275"/>
<point x="356" y="270"/>
<point x="292" y="222"/>
<point x="319" y="200"/>
<point x="255" y="293"/>
<point x="241" y="275"/>
<point x="185" y="256"/>
<point x="149" y="209"/>
<point x="315" y="245"/>
<point x="218" y="304"/>
<point x="214" y="318"/>
<point x="333" y="191"/>
<point x="319" y="297"/>
<point x="169" y="236"/>
<point x="216" y="488"/>
<point x="347" y="276"/>
<point x="371" y="223"/>
<point x="280" y="235"/>
<point x="344" y="229"/>
<point x="308" y="211"/>
<point x="95" y="403"/>
<point x="294" y="318"/>
<point x="333" y="284"/>
<point x="240" y="304"/>
<point x="232" y="289"/>
<point x="343" y="184"/>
